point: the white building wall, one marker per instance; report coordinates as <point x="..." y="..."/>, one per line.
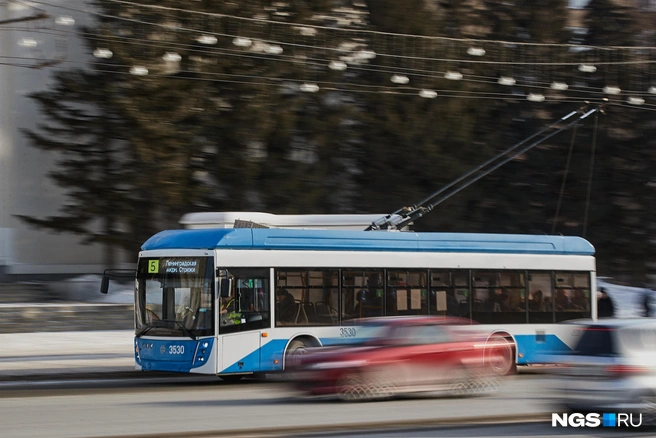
<point x="25" y="188"/>
<point x="7" y="120"/>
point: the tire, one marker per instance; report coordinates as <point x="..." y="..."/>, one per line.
<point x="501" y="358"/>
<point x="459" y="385"/>
<point x="366" y="385"/>
<point x="476" y="382"/>
<point x="649" y="412"/>
<point x="352" y="388"/>
<point x="380" y="383"/>
<point x="297" y="348"/>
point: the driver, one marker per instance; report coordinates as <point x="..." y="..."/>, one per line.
<point x="228" y="304"/>
<point x="228" y="308"/>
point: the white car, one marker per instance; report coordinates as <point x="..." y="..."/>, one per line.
<point x="611" y="369"/>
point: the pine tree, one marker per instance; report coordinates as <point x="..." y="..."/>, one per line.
<point x="609" y="23"/>
<point x="171" y="124"/>
<point x="84" y="127"/>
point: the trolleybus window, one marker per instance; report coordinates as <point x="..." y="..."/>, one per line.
<point x="540" y="299"/>
<point x="175" y="296"/>
<point x="407" y="292"/>
<point x="499" y="297"/>
<point x="245" y="304"/>
<point x="362" y="293"/>
<point x="315" y="293"/>
<point x="572" y="296"/>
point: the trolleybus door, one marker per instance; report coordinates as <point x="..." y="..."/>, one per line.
<point x="240" y="352"/>
<point x="243" y="315"/>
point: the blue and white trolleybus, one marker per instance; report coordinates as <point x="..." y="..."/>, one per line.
<point x="205" y="299"/>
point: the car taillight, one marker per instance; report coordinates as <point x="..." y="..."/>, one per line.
<point x="625" y="369"/>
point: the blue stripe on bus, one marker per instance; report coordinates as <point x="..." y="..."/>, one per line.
<point x="534" y="351"/>
<point x="344" y="240"/>
<point x="264" y="359"/>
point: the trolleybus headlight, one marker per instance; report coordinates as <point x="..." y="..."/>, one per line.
<point x="201" y="355"/>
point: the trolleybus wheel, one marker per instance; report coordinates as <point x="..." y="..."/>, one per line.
<point x="297" y="348"/>
<point x="500" y="357"/>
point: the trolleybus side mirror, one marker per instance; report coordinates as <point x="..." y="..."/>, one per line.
<point x="226" y="286"/>
<point x="104" y="284"/>
<point x="124" y="273"/>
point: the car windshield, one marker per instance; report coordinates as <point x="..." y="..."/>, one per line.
<point x="597" y="341"/>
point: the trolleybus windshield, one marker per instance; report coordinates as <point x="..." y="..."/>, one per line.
<point x="174" y="297"/>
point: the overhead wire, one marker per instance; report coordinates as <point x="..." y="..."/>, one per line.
<point x="561" y="193"/>
<point x="590" y="171"/>
<point x="319" y="62"/>
<point x="330" y="86"/>
<point x="346" y="30"/>
<point x="589" y="93"/>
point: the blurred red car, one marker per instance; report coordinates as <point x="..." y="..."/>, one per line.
<point x="402" y="355"/>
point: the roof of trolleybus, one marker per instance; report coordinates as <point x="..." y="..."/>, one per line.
<point x="228" y="219"/>
<point x="341" y="240"/>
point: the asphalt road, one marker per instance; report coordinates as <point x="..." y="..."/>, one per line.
<point x="169" y="406"/>
<point x="84" y="385"/>
<point x="494" y="430"/>
<point x="130" y="404"/>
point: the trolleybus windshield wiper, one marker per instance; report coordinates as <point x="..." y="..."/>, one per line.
<point x="405" y="215"/>
<point x="187" y="331"/>
<point x="165" y="323"/>
<point x="145" y="329"/>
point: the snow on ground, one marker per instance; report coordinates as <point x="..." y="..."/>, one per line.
<point x="627" y="300"/>
<point x="86" y="288"/>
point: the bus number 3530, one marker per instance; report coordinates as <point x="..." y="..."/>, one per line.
<point x="347" y="332"/>
<point x="176" y="349"/>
